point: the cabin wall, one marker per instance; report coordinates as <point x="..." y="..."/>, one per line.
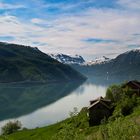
<point x="133" y="88"/>
<point x="97" y="113"/>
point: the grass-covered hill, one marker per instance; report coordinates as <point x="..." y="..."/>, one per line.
<point x="24" y="63"/>
<point x="123" y="124"/>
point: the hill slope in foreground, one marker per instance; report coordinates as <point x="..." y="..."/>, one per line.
<point x="24" y="63"/>
<point x="123" y="124"/>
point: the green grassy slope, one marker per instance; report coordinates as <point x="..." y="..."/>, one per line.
<point x="125" y="128"/>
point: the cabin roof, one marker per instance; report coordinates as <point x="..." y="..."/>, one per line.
<point x="97" y="102"/>
<point x="101" y="99"/>
<point x="133" y="84"/>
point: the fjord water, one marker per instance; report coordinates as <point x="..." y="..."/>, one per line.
<point x="40" y="105"/>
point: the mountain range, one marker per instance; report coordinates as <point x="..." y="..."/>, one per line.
<point x="125" y="64"/>
<point x="20" y="63"/>
<point x="77" y="59"/>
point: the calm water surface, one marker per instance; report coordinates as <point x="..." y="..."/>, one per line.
<point x="40" y="105"/>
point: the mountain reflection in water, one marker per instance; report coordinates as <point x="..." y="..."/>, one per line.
<point x="18" y="100"/>
<point x="40" y="105"/>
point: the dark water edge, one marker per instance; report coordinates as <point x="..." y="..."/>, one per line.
<point x="23" y="98"/>
<point x="36" y="83"/>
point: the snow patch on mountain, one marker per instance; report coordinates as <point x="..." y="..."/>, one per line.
<point x="134" y="50"/>
<point x="68" y="59"/>
<point x="100" y="60"/>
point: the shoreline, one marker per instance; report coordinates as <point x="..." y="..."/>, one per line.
<point x="41" y="82"/>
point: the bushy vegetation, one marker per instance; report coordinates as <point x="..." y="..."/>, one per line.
<point x="74" y="127"/>
<point x="124" y="124"/>
<point x="11" y="127"/>
<point x="120" y="125"/>
<point x="124" y="100"/>
<point x="114" y="93"/>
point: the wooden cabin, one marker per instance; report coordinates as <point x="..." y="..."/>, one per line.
<point x="134" y="85"/>
<point x="98" y="110"/>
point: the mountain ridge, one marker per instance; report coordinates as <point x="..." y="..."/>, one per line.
<point x="24" y="63"/>
<point x="125" y="64"/>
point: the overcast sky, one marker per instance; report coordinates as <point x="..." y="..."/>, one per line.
<point x="87" y="27"/>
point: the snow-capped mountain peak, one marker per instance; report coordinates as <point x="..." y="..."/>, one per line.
<point x="68" y="59"/>
<point x="100" y="60"/>
<point x="134" y="50"/>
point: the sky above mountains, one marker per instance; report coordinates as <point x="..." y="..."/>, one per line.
<point x="87" y="27"/>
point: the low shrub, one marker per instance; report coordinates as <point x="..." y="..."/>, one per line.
<point x="11" y="127"/>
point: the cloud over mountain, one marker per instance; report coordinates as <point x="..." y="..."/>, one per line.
<point x="58" y="26"/>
